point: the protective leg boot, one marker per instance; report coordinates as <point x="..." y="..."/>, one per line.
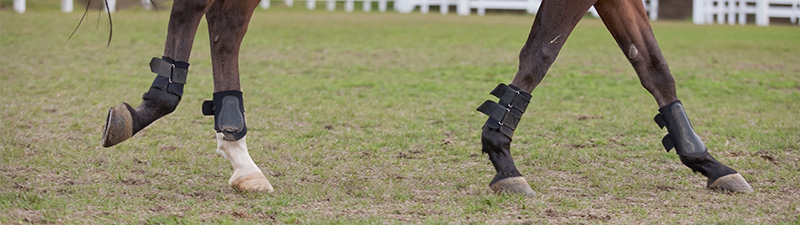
<point x="693" y="152"/>
<point x="124" y="121"/>
<point x="496" y="138"/>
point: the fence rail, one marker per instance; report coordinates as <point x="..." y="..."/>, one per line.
<point x="737" y="11"/>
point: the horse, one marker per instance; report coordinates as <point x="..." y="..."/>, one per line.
<point x="227" y="20"/>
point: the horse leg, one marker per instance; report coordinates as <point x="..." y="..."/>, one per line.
<point x="227" y="25"/>
<point x="165" y="93"/>
<point x="554" y="22"/>
<point x="628" y="23"/>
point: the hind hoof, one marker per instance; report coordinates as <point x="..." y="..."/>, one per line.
<point x="119" y="126"/>
<point x="513" y="185"/>
<point x="255" y="182"/>
<point x="731" y="182"/>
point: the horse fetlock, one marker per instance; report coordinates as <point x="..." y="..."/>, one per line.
<point x="160" y="102"/>
<point x="165" y="92"/>
<point x="228" y="110"/>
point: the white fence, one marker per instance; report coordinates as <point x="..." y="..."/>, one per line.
<point x="737" y="11"/>
<point x="67" y="5"/>
<point x="463" y="7"/>
<point x="704" y="11"/>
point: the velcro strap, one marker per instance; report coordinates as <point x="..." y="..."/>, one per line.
<point x="500" y="90"/>
<point x="667" y="142"/>
<point x="507" y="131"/>
<point x="510" y="121"/>
<point x="520" y="103"/>
<point x="168" y="70"/>
<point x="493" y="110"/>
<point x="208" y="108"/>
<point x="660" y="121"/>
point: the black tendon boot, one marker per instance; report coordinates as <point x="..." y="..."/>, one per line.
<point x="496" y="138"/>
<point x="227" y="107"/>
<point x="163" y="97"/>
<point x="693" y="152"/>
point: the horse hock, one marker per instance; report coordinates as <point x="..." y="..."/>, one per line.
<point x="504" y="116"/>
<point x="693" y="152"/>
<point x="163" y="97"/>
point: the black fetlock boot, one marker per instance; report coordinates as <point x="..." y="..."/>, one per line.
<point x="496" y="138"/>
<point x="163" y="97"/>
<point x="693" y="151"/>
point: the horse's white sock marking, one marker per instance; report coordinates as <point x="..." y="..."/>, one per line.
<point x="236" y="152"/>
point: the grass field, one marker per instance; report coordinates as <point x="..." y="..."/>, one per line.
<point x="370" y="118"/>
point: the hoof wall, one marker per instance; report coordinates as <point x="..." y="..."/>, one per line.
<point x="513" y="185"/>
<point x="731" y="182"/>
<point x="119" y="126"/>
<point x="255" y="182"/>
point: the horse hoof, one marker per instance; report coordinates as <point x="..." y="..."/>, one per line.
<point x="514" y="185"/>
<point x="731" y="182"/>
<point x="119" y="126"/>
<point x="255" y="181"/>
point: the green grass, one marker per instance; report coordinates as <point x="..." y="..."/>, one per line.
<point x="370" y="118"/>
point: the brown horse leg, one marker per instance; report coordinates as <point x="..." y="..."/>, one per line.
<point x="227" y="25"/>
<point x="628" y="23"/>
<point x="164" y="95"/>
<point x="554" y="22"/>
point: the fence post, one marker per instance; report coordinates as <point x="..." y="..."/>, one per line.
<point x="349" y="5"/>
<point x="653" y="10"/>
<point x="366" y="6"/>
<point x="110" y="6"/>
<point x="19" y="6"/>
<point x="531" y="7"/>
<point x="331" y="5"/>
<point x="463" y="7"/>
<point x="697" y="11"/>
<point x="742" y="12"/>
<point x="444" y="7"/>
<point x="762" y="13"/>
<point x="66" y="6"/>
<point x="264" y="4"/>
<point x="382" y="5"/>
<point x="403" y="6"/>
<point x="310" y="4"/>
<point x="481" y="7"/>
<point x="289" y="3"/>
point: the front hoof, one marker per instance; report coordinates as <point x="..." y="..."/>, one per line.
<point x="255" y="181"/>
<point x="731" y="182"/>
<point x="514" y="185"/>
<point x="119" y="125"/>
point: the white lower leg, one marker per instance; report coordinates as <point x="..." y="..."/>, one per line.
<point x="246" y="174"/>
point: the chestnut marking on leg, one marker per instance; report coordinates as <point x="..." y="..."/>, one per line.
<point x="246" y="174"/>
<point x="632" y="52"/>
